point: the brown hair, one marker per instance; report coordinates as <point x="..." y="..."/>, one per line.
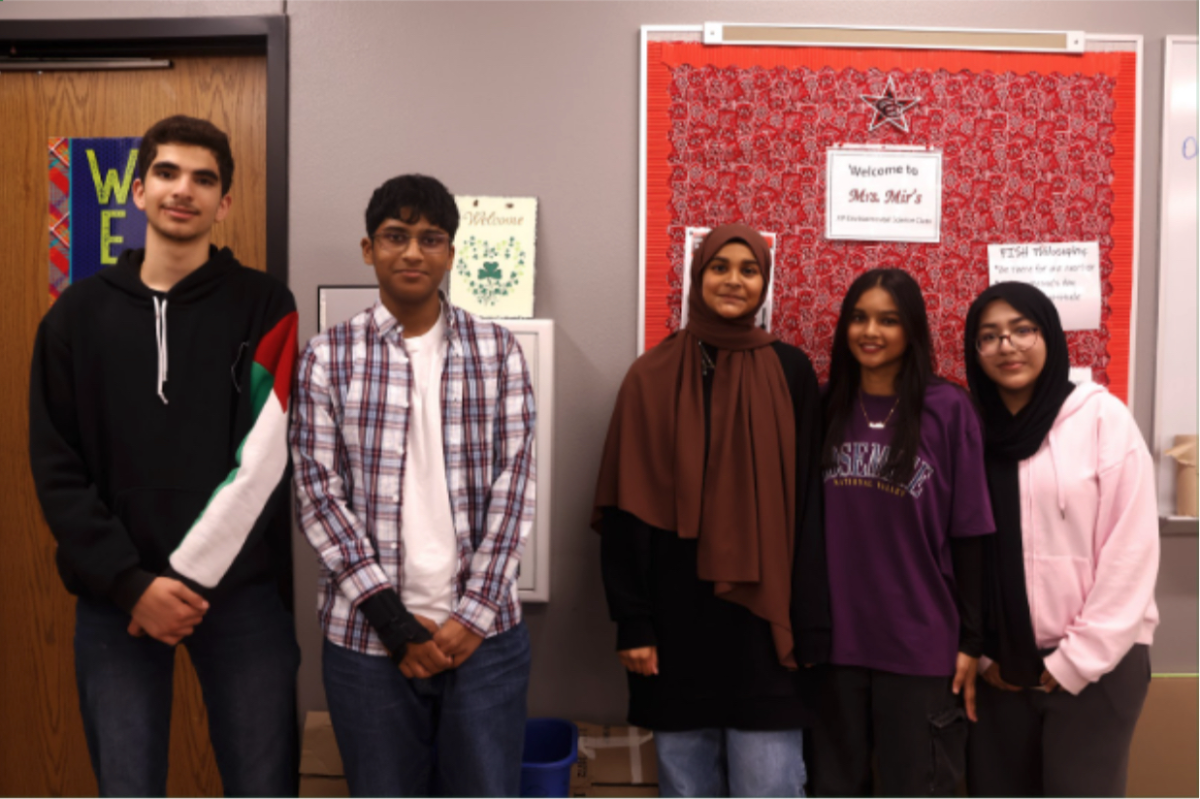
<point x="181" y="129"/>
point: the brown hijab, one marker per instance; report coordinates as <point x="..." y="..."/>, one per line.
<point x="741" y="504"/>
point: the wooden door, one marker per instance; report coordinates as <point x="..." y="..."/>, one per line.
<point x="42" y="748"/>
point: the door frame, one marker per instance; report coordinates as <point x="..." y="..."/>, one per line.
<point x="248" y="35"/>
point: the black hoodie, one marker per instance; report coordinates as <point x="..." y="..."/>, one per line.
<point x="158" y="428"/>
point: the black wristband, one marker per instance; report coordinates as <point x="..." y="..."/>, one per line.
<point x="399" y="632"/>
<point x="392" y="622"/>
<point x="411" y="630"/>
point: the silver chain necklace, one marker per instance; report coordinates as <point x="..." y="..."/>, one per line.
<point x="876" y="425"/>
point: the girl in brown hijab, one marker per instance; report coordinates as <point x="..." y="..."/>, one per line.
<point x="712" y="545"/>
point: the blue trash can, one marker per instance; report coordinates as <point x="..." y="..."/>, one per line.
<point x="551" y="748"/>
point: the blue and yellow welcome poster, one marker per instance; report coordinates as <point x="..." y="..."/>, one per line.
<point x="92" y="215"/>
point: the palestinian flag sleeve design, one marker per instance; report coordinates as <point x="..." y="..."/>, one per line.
<point x="221" y="530"/>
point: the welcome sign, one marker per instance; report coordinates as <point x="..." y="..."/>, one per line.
<point x="493" y="275"/>
<point x="92" y="215"/>
<point x="883" y="194"/>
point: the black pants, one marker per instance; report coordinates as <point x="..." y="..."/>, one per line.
<point x="914" y="726"/>
<point x="1032" y="743"/>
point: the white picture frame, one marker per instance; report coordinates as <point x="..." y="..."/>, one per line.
<point x="536" y="337"/>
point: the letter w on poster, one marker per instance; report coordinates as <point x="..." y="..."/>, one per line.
<point x="1067" y="272"/>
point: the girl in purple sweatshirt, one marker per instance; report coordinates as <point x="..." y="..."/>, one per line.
<point x="906" y="517"/>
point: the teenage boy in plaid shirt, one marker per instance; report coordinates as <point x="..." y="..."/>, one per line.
<point x="413" y="447"/>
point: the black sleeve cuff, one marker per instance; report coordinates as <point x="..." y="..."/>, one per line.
<point x="188" y="581"/>
<point x="393" y="623"/>
<point x="970" y="645"/>
<point x="129" y="586"/>
<point x="636" y="632"/>
<point x="812" y="646"/>
<point x="967" y="555"/>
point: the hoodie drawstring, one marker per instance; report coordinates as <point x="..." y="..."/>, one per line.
<point x="160" y="336"/>
<point x="1058" y="486"/>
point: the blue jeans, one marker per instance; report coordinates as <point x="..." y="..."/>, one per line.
<point x="460" y="733"/>
<point x="728" y="762"/>
<point x="246" y="657"/>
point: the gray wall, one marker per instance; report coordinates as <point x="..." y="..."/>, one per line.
<point x="541" y="99"/>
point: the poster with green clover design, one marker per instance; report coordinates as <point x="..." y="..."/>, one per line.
<point x="493" y="260"/>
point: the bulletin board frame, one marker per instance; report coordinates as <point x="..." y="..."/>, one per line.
<point x="1130" y="196"/>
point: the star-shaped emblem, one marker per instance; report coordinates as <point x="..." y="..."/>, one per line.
<point x="888" y="108"/>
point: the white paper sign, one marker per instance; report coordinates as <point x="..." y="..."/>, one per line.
<point x="693" y="236"/>
<point x="1067" y="272"/>
<point x="493" y="271"/>
<point x="883" y="194"/>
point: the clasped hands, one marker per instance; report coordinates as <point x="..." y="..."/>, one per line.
<point x="167" y="611"/>
<point x="451" y="645"/>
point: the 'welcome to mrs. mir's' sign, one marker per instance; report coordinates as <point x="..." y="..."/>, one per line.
<point x="92" y="215"/>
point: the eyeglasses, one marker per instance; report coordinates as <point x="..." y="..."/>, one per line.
<point x="1021" y="339"/>
<point x="431" y="242"/>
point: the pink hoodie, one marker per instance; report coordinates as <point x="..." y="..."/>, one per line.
<point x="1089" y="523"/>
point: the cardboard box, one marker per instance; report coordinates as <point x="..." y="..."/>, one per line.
<point x="1163" y="760"/>
<point x="321" y="771"/>
<point x="312" y="787"/>
<point x="614" y="761"/>
<point x="623" y="790"/>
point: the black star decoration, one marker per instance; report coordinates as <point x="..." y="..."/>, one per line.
<point x="888" y="108"/>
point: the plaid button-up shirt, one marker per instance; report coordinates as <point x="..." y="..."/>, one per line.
<point x="349" y="437"/>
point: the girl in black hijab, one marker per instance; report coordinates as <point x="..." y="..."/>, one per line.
<point x="1069" y="607"/>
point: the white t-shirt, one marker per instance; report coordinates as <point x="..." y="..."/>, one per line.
<point x="427" y="524"/>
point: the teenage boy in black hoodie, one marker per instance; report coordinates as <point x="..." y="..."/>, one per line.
<point x="158" y="442"/>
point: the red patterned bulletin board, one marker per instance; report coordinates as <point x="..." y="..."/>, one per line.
<point x="1036" y="148"/>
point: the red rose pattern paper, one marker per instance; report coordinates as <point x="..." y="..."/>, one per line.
<point x="1026" y="158"/>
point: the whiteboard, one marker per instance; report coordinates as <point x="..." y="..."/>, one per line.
<point x="336" y="304"/>
<point x="1176" y="375"/>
